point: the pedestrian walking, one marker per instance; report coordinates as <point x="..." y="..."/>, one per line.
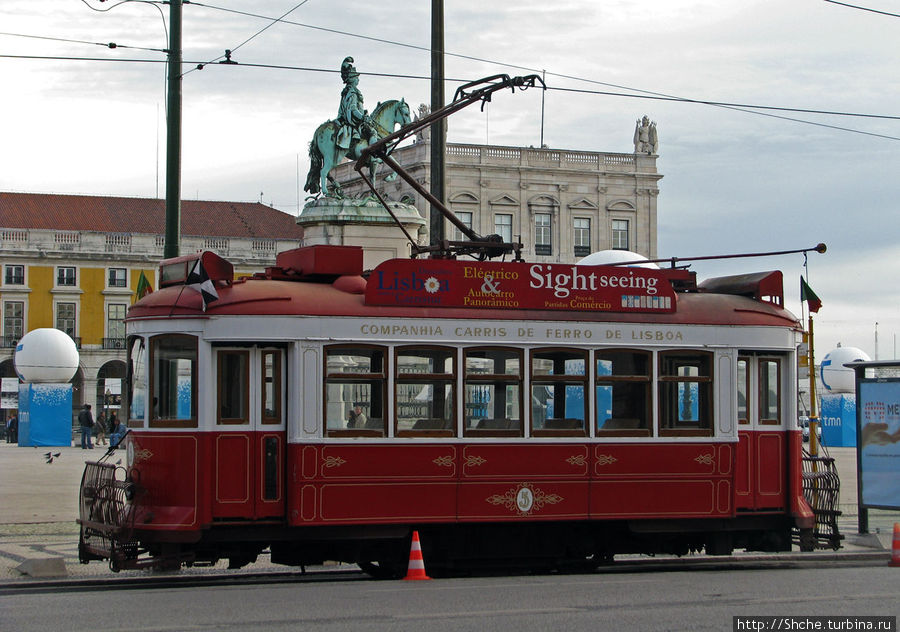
<point x="100" y="429"/>
<point x="12" y="428"/>
<point x="86" y="420"/>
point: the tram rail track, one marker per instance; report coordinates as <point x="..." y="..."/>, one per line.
<point x="150" y="581"/>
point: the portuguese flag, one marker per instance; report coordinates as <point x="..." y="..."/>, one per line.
<point x="143" y="287"/>
<point x="806" y="294"/>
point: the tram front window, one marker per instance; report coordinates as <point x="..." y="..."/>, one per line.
<point x="769" y="391"/>
<point x="355" y="390"/>
<point x="173" y="359"/>
<point x="271" y="387"/>
<point x="743" y="388"/>
<point x="233" y="368"/>
<point x="137" y="382"/>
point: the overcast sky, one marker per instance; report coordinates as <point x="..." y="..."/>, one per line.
<point x="734" y="181"/>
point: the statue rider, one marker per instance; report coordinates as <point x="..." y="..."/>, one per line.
<point x="353" y="120"/>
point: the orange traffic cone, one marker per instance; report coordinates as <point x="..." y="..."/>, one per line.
<point x="895" y="546"/>
<point x="416" y="568"/>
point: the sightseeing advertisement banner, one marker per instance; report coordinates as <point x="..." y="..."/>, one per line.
<point x="482" y="284"/>
<point x="879" y="442"/>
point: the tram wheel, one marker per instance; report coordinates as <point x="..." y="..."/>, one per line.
<point x="380" y="569"/>
<point x="83" y="556"/>
<point x="807" y="540"/>
<point x="588" y="564"/>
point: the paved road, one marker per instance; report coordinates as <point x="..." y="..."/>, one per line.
<point x="696" y="600"/>
<point x="39" y="505"/>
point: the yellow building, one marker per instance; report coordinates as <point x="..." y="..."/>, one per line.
<point x="75" y="263"/>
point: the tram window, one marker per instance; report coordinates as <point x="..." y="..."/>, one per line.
<point x="173" y="380"/>
<point x="424" y="391"/>
<point x="743" y="389"/>
<point x="558" y="386"/>
<point x="233" y="387"/>
<point x="271" y="387"/>
<point x="355" y="391"/>
<point x="623" y="392"/>
<point x="685" y="393"/>
<point x="136" y="383"/>
<point x="769" y="391"/>
<point x="493" y="392"/>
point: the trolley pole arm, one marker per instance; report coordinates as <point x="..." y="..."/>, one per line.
<point x="387" y="207"/>
<point x="464" y="97"/>
<point x="468" y="232"/>
<point x="467" y="94"/>
<point x="820" y="248"/>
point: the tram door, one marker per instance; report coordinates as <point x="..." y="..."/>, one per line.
<point x="760" y="476"/>
<point x="249" y="445"/>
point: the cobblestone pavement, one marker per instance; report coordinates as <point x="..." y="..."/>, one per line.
<point x="39" y="505"/>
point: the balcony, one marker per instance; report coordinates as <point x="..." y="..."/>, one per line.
<point x="113" y="343"/>
<point x="9" y="342"/>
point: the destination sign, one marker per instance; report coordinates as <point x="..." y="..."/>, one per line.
<point x="485" y="284"/>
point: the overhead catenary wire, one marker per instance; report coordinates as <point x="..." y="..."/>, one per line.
<point x="272" y="23"/>
<point x="113" y="6"/>
<point x="855" y="6"/>
<point x="75" y="41"/>
<point x="747" y="108"/>
<point x="650" y="95"/>
<point x="393" y="75"/>
<point x="644" y="94"/>
<point x="659" y="95"/>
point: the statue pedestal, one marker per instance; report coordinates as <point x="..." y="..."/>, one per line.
<point x="362" y="222"/>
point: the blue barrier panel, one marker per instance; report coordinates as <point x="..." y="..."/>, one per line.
<point x="45" y="414"/>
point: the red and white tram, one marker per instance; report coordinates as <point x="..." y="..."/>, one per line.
<point x="512" y="413"/>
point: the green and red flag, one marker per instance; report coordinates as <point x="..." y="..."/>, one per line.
<point x="143" y="287"/>
<point x="806" y="294"/>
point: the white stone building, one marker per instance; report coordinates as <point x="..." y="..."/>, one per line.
<point x="561" y="204"/>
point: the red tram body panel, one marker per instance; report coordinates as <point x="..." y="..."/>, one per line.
<point x="538" y="413"/>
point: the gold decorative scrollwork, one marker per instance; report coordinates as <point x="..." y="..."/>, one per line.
<point x="333" y="461"/>
<point x="443" y="461"/>
<point x="606" y="459"/>
<point x="705" y="459"/>
<point x="142" y="455"/>
<point x="524" y="500"/>
<point x="472" y="461"/>
<point x="577" y="460"/>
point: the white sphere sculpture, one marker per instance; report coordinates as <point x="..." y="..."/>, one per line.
<point x="609" y="257"/>
<point x="835" y="376"/>
<point x="46" y="355"/>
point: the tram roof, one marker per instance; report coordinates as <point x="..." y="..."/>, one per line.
<point x="717" y="303"/>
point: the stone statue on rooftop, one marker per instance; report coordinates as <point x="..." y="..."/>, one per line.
<point x="646" y="140"/>
<point x="424" y="134"/>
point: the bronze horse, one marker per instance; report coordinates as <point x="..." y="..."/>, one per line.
<point x="324" y="153"/>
